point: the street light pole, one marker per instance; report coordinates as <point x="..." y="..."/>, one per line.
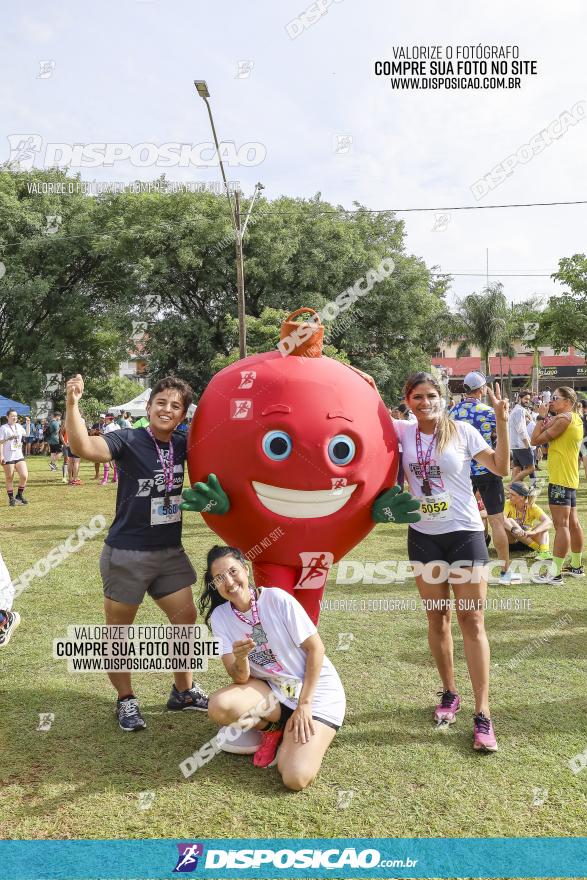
<point x="240" y="280"/>
<point x="235" y="216"/>
<point x="203" y="92"/>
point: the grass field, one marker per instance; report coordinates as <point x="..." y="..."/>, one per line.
<point x="82" y="778"/>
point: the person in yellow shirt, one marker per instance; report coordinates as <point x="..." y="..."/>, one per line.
<point x="563" y="432"/>
<point x="526" y="524"/>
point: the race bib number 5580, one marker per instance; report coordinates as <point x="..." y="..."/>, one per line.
<point x="163" y="514"/>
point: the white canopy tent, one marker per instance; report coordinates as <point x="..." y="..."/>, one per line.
<point x="137" y="407"/>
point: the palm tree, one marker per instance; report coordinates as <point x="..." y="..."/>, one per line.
<point x="483" y="320"/>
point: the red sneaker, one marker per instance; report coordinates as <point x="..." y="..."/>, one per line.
<point x="266" y="754"/>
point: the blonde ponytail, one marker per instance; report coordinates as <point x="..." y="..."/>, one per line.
<point x="447" y="433"/>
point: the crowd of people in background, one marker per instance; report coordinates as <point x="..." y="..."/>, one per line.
<point x="48" y="437"/>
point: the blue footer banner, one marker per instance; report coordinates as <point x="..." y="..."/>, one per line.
<point x="360" y="858"/>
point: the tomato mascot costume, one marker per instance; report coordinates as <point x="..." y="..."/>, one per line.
<point x="292" y="457"/>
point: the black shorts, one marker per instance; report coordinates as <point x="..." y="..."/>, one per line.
<point x="518" y="545"/>
<point x="450" y="548"/>
<point x="287" y="712"/>
<point x="54" y="447"/>
<point x="491" y="490"/>
<point x="561" y="496"/>
<point x="523" y="458"/>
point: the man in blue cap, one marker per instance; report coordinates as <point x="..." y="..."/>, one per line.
<point x="490" y="487"/>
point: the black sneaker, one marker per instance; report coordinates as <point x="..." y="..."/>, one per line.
<point x="20" y="499"/>
<point x="129" y="715"/>
<point x="10" y="624"/>
<point x="574" y="572"/>
<point x="555" y="580"/>
<point x="194" y="699"/>
<point x="12" y="502"/>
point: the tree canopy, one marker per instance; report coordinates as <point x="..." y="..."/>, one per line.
<point x="75" y="286"/>
<point x="564" y="321"/>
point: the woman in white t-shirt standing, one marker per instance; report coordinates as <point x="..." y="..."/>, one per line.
<point x="447" y="546"/>
<point x="12" y="456"/>
<point x="275" y="657"/>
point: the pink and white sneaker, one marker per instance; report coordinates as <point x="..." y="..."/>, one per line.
<point x="447" y="709"/>
<point x="483" y="734"/>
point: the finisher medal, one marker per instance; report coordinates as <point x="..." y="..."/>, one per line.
<point x="258" y="634"/>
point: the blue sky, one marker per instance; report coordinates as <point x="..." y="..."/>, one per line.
<point x="123" y="73"/>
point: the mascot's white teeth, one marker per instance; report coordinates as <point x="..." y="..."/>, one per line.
<point x="302" y="503"/>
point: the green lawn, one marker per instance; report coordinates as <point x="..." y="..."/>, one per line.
<point x="82" y="778"/>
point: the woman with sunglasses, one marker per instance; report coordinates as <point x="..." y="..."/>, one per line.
<point x="275" y="657"/>
<point x="563" y="431"/>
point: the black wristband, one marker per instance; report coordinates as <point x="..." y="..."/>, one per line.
<point x="540" y="418"/>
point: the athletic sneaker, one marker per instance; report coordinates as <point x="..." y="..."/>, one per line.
<point x="266" y="754"/>
<point x="574" y="572"/>
<point x="483" y="734"/>
<point x="544" y="555"/>
<point x="10" y="624"/>
<point x="76" y="483"/>
<point x="12" y="502"/>
<point x="52" y="467"/>
<point x="103" y="482"/>
<point x="64" y="479"/>
<point x="194" y="699"/>
<point x="555" y="579"/>
<point x="447" y="708"/>
<point x="20" y="499"/>
<point x="129" y="715"/>
<point x="507" y="578"/>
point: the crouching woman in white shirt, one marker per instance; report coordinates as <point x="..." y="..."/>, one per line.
<point x="447" y="546"/>
<point x="275" y="657"/>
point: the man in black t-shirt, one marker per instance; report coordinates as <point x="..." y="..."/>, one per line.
<point x="143" y="552"/>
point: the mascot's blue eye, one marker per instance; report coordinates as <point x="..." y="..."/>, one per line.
<point x="341" y="449"/>
<point x="277" y="445"/>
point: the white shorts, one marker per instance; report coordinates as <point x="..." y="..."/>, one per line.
<point x="6" y="588"/>
<point x="329" y="703"/>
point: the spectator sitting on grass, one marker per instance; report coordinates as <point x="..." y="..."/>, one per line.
<point x="526" y="524"/>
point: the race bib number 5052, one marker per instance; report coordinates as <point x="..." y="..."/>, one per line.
<point x="435" y="507"/>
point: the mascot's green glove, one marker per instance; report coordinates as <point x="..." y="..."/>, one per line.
<point x="207" y="497"/>
<point x="395" y="506"/>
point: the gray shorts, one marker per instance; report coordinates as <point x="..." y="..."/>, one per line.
<point x="523" y="458"/>
<point x="128" y="574"/>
